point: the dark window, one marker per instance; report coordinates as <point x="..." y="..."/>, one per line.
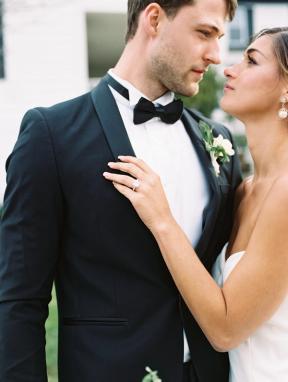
<point x="1" y="42"/>
<point x="241" y="28"/>
<point x="105" y="38"/>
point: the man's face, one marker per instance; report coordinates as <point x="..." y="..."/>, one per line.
<point x="187" y="44"/>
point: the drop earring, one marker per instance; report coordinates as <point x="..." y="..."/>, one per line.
<point x="283" y="112"/>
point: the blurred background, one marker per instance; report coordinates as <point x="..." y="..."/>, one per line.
<point x="52" y="50"/>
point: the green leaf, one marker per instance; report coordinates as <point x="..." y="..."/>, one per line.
<point x="206" y="134"/>
<point x="152" y="376"/>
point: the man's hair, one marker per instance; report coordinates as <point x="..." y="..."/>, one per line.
<point x="280" y="46"/>
<point x="171" y="7"/>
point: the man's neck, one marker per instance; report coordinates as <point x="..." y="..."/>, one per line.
<point x="131" y="68"/>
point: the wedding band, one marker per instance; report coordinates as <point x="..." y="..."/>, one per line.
<point x="135" y="184"/>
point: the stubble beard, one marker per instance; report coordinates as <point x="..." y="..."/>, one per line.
<point x="169" y="74"/>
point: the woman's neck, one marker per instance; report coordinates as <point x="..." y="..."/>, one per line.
<point x="268" y="144"/>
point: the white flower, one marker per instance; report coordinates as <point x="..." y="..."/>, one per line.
<point x="215" y="164"/>
<point x="219" y="148"/>
<point x="225" y="143"/>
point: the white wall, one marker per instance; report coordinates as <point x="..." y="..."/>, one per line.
<point x="268" y="16"/>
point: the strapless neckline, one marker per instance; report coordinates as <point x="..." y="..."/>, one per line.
<point x="233" y="255"/>
<point x="239" y="253"/>
<point x="263" y="355"/>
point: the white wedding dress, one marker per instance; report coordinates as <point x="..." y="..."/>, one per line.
<point x="263" y="357"/>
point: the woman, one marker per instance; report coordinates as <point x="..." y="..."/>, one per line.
<point x="246" y="310"/>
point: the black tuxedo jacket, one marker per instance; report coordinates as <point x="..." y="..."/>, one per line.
<point x="119" y="309"/>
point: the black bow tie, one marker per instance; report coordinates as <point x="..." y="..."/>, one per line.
<point x="145" y="109"/>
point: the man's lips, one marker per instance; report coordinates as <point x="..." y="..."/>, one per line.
<point x="199" y="71"/>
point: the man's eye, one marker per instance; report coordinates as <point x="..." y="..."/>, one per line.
<point x="205" y="33"/>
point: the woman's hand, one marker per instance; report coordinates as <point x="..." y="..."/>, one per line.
<point x="142" y="186"/>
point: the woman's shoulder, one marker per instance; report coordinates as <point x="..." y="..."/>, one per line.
<point x="279" y="190"/>
<point x="244" y="186"/>
<point x="275" y="205"/>
<point x="242" y="190"/>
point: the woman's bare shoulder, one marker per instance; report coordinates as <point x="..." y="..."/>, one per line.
<point x="278" y="194"/>
<point x="242" y="190"/>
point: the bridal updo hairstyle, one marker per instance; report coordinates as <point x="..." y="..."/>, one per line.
<point x="279" y="38"/>
<point x="171" y="7"/>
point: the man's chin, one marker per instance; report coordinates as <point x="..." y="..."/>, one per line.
<point x="186" y="91"/>
<point x="193" y="91"/>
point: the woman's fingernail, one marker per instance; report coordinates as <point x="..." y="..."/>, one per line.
<point x="110" y="164"/>
<point x="105" y="174"/>
<point x="121" y="157"/>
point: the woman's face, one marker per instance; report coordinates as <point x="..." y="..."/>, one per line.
<point x="254" y="86"/>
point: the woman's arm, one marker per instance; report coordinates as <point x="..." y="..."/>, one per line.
<point x="254" y="289"/>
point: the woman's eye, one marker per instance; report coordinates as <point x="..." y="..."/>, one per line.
<point x="251" y="60"/>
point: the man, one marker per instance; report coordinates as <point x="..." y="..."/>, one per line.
<point x="119" y="310"/>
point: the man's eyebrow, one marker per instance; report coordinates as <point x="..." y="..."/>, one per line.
<point x="252" y="50"/>
<point x="213" y="27"/>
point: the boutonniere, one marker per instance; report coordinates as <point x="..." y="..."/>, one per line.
<point x="219" y="148"/>
<point x="151" y="376"/>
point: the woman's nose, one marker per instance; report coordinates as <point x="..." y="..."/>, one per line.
<point x="230" y="71"/>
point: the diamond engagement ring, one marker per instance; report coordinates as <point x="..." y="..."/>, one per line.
<point x="135" y="184"/>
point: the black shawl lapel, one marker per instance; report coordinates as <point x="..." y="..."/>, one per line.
<point x="111" y="121"/>
<point x="118" y="140"/>
<point x="211" y="211"/>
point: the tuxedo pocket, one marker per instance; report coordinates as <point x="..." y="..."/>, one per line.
<point x="100" y="321"/>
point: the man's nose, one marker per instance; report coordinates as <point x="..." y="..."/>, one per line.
<point x="213" y="53"/>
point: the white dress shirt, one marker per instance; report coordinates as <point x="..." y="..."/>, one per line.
<point x="168" y="150"/>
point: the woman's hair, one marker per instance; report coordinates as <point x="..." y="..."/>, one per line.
<point x="279" y="38"/>
<point x="171" y="7"/>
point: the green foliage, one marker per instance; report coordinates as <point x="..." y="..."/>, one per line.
<point x="243" y="153"/>
<point x="52" y="340"/>
<point x="207" y="99"/>
<point x="151" y="376"/>
<point x="240" y="140"/>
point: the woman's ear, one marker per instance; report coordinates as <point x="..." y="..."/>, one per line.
<point x="283" y="112"/>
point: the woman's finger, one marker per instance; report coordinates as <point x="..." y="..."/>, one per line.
<point x="129" y="168"/>
<point x="124" y="180"/>
<point x="126" y="191"/>
<point x="137" y="162"/>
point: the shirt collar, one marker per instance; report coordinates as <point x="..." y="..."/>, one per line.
<point x="135" y="94"/>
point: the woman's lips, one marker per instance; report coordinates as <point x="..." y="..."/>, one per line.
<point x="228" y="87"/>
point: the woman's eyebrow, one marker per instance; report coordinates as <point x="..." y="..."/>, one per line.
<point x="252" y="50"/>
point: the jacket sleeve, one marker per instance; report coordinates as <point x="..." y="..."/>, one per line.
<point x="29" y="246"/>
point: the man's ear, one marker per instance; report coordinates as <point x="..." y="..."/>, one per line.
<point x="151" y="17"/>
